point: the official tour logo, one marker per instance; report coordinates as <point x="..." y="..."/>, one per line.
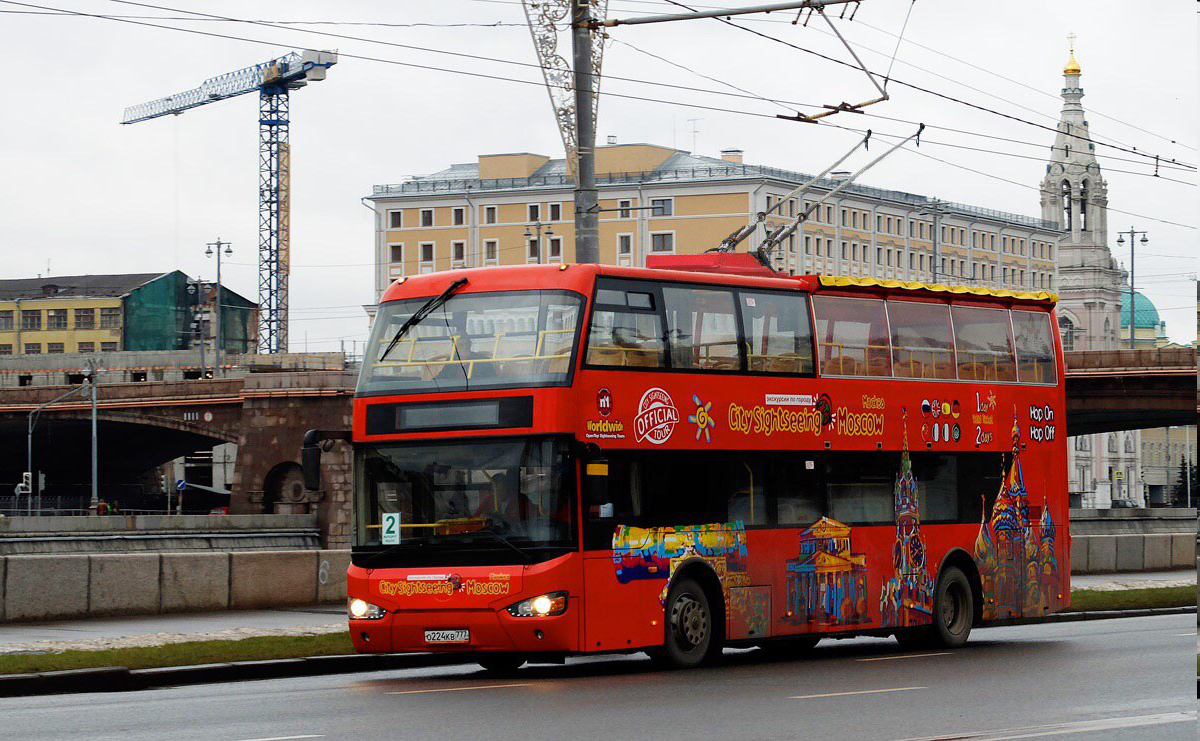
<point x="604" y="402"/>
<point x="656" y="417"/>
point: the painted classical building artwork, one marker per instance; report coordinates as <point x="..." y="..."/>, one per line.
<point x="827" y="583"/>
<point x="1018" y="567"/>
<point x="907" y="598"/>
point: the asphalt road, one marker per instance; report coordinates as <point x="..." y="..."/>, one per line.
<point x="1130" y="678"/>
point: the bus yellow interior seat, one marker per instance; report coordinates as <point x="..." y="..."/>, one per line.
<point x="911" y="368"/>
<point x="878" y="366"/>
<point x="788" y="363"/>
<point x="605" y="355"/>
<point x="1005" y="370"/>
<point x="641" y="358"/>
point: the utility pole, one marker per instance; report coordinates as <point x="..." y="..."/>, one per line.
<point x="1132" y="295"/>
<point x="217" y="336"/>
<point x="587" y="221"/>
<point x="934" y="209"/>
<point x="93" y="379"/>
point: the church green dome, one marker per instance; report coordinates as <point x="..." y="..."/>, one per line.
<point x="1144" y="313"/>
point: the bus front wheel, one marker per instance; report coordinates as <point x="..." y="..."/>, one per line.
<point x="689" y="625"/>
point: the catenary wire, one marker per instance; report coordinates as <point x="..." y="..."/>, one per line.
<point x="526" y="82"/>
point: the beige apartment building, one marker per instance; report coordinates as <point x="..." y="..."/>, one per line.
<point x="510" y="209"/>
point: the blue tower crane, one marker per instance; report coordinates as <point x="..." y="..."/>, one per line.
<point x="273" y="80"/>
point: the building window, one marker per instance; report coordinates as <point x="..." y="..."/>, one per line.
<point x="807" y="245"/>
<point x="534" y="251"/>
<point x="846" y="251"/>
<point x="878" y="222"/>
<point x="662" y="242"/>
<point x="56" y="319"/>
<point x="87" y="347"/>
<point x="395" y="219"/>
<point x="396" y="253"/>
<point x="33" y="348"/>
<point x="54" y="348"/>
<point x="110" y="317"/>
<point x="623" y="208"/>
<point x="625" y="244"/>
<point x="556" y="212"/>
<point x="6" y="349"/>
<point x="31" y="319"/>
<point x="828" y="248"/>
<point x="491" y="250"/>
<point x="535" y="212"/>
<point x="662" y="207"/>
<point x="458" y="252"/>
<point x="428" y="254"/>
<point x="878" y="255"/>
<point x="459" y="216"/>
<point x="854" y="219"/>
<point x="489" y="214"/>
<point x="85" y="319"/>
<point x="427" y="217"/>
<point x="6" y="319"/>
<point x="792" y="207"/>
<point x="108" y="347"/>
<point x="555" y="249"/>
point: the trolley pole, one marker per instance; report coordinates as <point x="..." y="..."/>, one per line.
<point x="587" y="221"/>
<point x="92" y="379"/>
<point x="217" y="314"/>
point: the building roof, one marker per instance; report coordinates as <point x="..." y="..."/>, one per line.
<point x="64" y="286"/>
<point x="679" y="167"/>
<point x="1144" y="312"/>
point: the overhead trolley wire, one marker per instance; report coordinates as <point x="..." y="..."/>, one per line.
<point x="482" y="75"/>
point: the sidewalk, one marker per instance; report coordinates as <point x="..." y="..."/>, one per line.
<point x="1138" y="580"/>
<point x="156" y="630"/>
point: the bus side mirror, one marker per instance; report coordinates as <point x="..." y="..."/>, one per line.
<point x="595" y="488"/>
<point x="310" y="464"/>
<point x="310" y="455"/>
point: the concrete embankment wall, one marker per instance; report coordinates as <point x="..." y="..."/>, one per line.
<point x="1101" y="554"/>
<point x="151" y="534"/>
<point x="102" y="584"/>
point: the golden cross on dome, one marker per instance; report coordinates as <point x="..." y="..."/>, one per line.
<point x="1071" y="41"/>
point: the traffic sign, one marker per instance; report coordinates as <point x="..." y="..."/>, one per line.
<point x="180" y="485"/>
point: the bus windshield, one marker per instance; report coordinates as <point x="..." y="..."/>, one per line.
<point x="473" y="341"/>
<point x="510" y="497"/>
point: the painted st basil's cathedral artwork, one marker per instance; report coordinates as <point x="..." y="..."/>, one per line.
<point x="1018" y="567"/>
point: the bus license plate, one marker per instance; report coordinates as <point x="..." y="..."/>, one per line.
<point x="448" y="636"/>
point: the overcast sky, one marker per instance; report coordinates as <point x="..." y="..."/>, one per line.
<point x="82" y="194"/>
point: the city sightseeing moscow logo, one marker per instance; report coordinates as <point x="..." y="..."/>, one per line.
<point x="702" y="419"/>
<point x="656" y="417"/>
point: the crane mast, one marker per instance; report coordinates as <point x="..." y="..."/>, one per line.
<point x="273" y="80"/>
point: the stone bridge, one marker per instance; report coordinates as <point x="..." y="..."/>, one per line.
<point x="1110" y="390"/>
<point x="143" y="425"/>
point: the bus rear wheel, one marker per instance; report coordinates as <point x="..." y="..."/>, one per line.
<point x="689" y="625"/>
<point x="953" y="615"/>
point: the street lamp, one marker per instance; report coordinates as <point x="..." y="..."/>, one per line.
<point x="208" y="252"/>
<point x="1121" y="243"/>
<point x="529" y="234"/>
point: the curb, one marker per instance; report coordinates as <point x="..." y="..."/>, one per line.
<point x="121" y="679"/>
<point x="1072" y="617"/>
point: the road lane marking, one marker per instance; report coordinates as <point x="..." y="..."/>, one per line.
<point x="286" y="738"/>
<point x="1177" y="635"/>
<point x="1062" y="729"/>
<point x="859" y="692"/>
<point x="905" y="656"/>
<point x="461" y="689"/>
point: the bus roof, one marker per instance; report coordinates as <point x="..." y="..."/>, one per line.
<point x="579" y="277"/>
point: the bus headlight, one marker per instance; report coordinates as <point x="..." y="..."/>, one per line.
<point x="543" y="605"/>
<point x="363" y="610"/>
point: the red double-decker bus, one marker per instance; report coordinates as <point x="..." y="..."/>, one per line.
<point x="555" y="460"/>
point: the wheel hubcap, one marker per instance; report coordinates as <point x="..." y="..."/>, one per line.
<point x="953" y="608"/>
<point x="689" y="619"/>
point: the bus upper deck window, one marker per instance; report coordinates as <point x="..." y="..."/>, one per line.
<point x="1035" y="347"/>
<point x="984" y="344"/>
<point x="922" y="345"/>
<point x="702" y="328"/>
<point x="778" y="332"/>
<point x="626" y="329"/>
<point x="853" y="336"/>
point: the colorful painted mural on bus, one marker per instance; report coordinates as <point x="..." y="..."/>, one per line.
<point x="654" y="553"/>
<point x="907" y="598"/>
<point x="1017" y="562"/>
<point x="827" y="583"/>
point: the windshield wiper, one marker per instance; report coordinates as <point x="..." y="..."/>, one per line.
<point x="423" y="312"/>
